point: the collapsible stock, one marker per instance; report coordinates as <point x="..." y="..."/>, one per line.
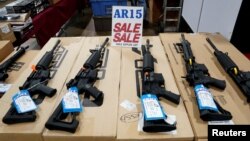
<point x="12" y="117"/>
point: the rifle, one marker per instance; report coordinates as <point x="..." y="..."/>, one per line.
<point x="35" y="84"/>
<point x="241" y="78"/>
<point x="84" y="81"/>
<point x="154" y="83"/>
<point x="4" y="66"/>
<point x="197" y="74"/>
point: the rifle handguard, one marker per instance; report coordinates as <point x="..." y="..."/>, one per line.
<point x="225" y="61"/>
<point x="47" y="58"/>
<point x="4" y="66"/>
<point x="148" y="63"/>
<point x="45" y="61"/>
<point x="93" y="60"/>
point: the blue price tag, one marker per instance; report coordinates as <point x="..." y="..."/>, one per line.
<point x="23" y="102"/>
<point x="151" y="107"/>
<point x="71" y="101"/>
<point x="204" y="98"/>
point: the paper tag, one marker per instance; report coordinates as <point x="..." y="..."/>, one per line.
<point x="205" y="98"/>
<point x="128" y="105"/>
<point x="4" y="87"/>
<point x="151" y="107"/>
<point x="23" y="102"/>
<point x="223" y="122"/>
<point x="71" y="101"/>
<point x="171" y="118"/>
<point x="5" y="29"/>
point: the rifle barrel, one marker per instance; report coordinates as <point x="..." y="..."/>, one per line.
<point x="105" y="42"/>
<point x="56" y="44"/>
<point x="212" y="44"/>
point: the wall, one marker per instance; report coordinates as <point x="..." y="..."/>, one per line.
<point x="212" y="15"/>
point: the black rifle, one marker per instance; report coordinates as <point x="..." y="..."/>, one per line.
<point x="36" y="85"/>
<point x="4" y="66"/>
<point x="154" y="83"/>
<point x="198" y="74"/>
<point x="84" y="81"/>
<point x="241" y="78"/>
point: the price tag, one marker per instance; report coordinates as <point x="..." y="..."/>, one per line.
<point x="204" y="98"/>
<point x="71" y="101"/>
<point x="4" y="87"/>
<point x="23" y="102"/>
<point x="151" y="107"/>
<point x="128" y="105"/>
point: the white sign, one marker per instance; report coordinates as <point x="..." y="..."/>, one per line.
<point x="127" y="25"/>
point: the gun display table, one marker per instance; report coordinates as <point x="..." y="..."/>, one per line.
<point x="231" y="98"/>
<point x="111" y="121"/>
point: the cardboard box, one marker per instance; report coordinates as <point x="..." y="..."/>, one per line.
<point x="203" y="56"/>
<point x="25" y="6"/>
<point x="95" y="123"/>
<point x="4" y="104"/>
<point x="22" y="6"/>
<point x="202" y="140"/>
<point x="6" y="48"/>
<point x="23" y="17"/>
<point x="22" y="63"/>
<point x="63" y="61"/>
<point x="128" y="120"/>
<point x="6" y="32"/>
<point x="4" y="2"/>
